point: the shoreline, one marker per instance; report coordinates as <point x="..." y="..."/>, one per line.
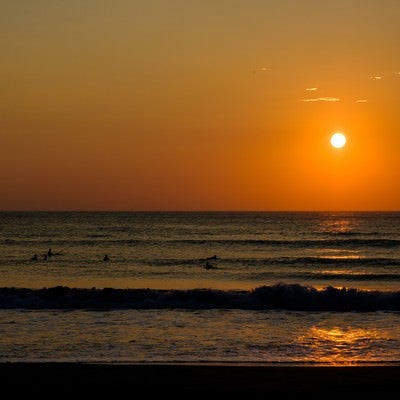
<point x="53" y="378"/>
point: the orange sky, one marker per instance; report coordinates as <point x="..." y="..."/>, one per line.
<point x="199" y="105"/>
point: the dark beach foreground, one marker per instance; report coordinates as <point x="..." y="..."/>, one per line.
<point x="56" y="379"/>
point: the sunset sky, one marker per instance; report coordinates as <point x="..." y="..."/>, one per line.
<point x="199" y="105"/>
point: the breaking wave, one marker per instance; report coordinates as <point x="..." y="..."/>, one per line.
<point x="279" y="296"/>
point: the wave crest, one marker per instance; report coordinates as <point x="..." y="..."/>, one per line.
<point x="279" y="296"/>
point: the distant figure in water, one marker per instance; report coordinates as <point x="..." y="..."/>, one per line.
<point x="106" y="258"/>
<point x="34" y="257"/>
<point x="209" y="266"/>
<point x="49" y="253"/>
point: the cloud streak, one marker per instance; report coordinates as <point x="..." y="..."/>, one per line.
<point x="261" y="69"/>
<point x="311" y="89"/>
<point x="327" y="99"/>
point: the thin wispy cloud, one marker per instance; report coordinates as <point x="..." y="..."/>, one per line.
<point x="328" y="99"/>
<point x="261" y="69"/>
<point x="361" y="101"/>
<point x="375" y="78"/>
<point x="311" y="89"/>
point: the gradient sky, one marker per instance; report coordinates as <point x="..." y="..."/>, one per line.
<point x="199" y="105"/>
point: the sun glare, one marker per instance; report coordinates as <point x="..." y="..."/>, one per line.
<point x="338" y="140"/>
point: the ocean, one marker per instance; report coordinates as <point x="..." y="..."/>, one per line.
<point x="200" y="287"/>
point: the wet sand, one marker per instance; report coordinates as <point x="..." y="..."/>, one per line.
<point x="56" y="379"/>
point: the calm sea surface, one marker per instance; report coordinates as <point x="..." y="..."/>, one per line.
<point x="200" y="287"/>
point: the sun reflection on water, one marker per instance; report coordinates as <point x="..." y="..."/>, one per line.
<point x="338" y="225"/>
<point x="338" y="345"/>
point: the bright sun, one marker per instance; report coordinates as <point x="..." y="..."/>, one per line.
<point x="338" y="140"/>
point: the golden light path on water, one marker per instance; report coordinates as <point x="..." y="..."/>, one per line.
<point x="343" y="344"/>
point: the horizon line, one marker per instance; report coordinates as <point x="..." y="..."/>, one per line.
<point x="199" y="211"/>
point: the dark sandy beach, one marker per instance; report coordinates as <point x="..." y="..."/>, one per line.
<point x="55" y="379"/>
